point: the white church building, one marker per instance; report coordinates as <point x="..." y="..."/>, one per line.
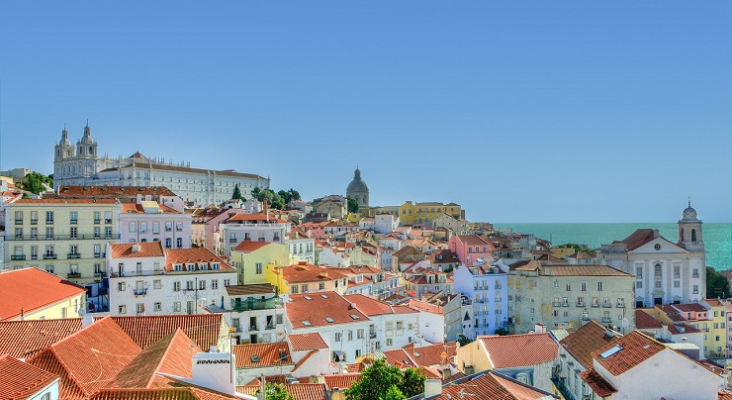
<point x="665" y="272"/>
<point x="82" y="165"/>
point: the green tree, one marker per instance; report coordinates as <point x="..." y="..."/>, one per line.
<point x="275" y="391"/>
<point x="257" y="194"/>
<point x="294" y="194"/>
<point x="393" y="394"/>
<point x="34" y="181"/>
<point x="464" y="340"/>
<point x="237" y="193"/>
<point x="352" y="206"/>
<point x="717" y="284"/>
<point x="412" y="382"/>
<point x="375" y="382"/>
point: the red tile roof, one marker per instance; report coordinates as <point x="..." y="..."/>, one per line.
<point x="638" y="238"/>
<point x="193" y="255"/>
<point x="114" y="191"/>
<point x="316" y="307"/>
<point x="30" y="289"/>
<point x="67" y="201"/>
<point x="634" y="349"/>
<point x="25" y="339"/>
<point x="249" y="246"/>
<point x="491" y="385"/>
<point x="597" y="383"/>
<point x="19" y="380"/>
<point x="300" y="273"/>
<point x="678" y="329"/>
<point x="127" y="250"/>
<point x="690" y="307"/>
<point x="261" y="355"/>
<point x="134" y="208"/>
<point x="431" y="355"/>
<point x="399" y="358"/>
<point x="644" y="320"/>
<point x="300" y="391"/>
<point x="204" y="330"/>
<point x="306" y="341"/>
<point x="173" y="393"/>
<point x="341" y="381"/>
<point x="171" y="355"/>
<point x="585" y="340"/>
<point x="520" y="350"/>
<point x="89" y="359"/>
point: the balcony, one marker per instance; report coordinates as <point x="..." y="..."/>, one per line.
<point x="607" y="320"/>
<point x="34" y="222"/>
<point x="50" y="256"/>
<point x="595" y="305"/>
<point x="73" y="256"/>
<point x="232" y="240"/>
<point x="18" y="222"/>
<point x="97" y="221"/>
<point x="140" y="292"/>
<point x="562" y="387"/>
<point x="607" y="305"/>
<point x="256" y="304"/>
<point x="372" y="335"/>
<point x="73" y="275"/>
<point x="580" y="304"/>
<point x="13" y="238"/>
<point x="97" y="255"/>
<point x="269" y="327"/>
<point x="620" y="305"/>
<point x="252" y="327"/>
<point x="17" y="257"/>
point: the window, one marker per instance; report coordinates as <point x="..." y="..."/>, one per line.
<point x="34" y="217"/>
<point x="388" y="341"/>
<point x="49" y="233"/>
<point x="19" y="233"/>
<point x="158" y="306"/>
<point x="658" y="285"/>
<point x="304" y="288"/>
<point x="49" y="269"/>
<point x="599" y="286"/>
<point x="179" y="243"/>
<point x="139" y="308"/>
<point x="122" y="309"/>
<point x="107" y="217"/>
<point x="189" y="285"/>
<point x="168" y="243"/>
<point x="639" y="272"/>
<point x="74" y="217"/>
<point x="215" y="284"/>
<point x="569" y="286"/>
<point x="695" y="273"/>
<point x="178" y="226"/>
<point x="19" y="217"/>
<point x="49" y="217"/>
<point x="133" y="227"/>
<point x="227" y="282"/>
<point x="695" y="287"/>
<point x="176" y="306"/>
<point x="338" y="336"/>
<point x="294" y="289"/>
<point x="556" y="284"/>
<point x="34" y="233"/>
<point x="155" y="228"/>
<point x="121" y="286"/>
<point x="639" y="284"/>
<point x="657" y="271"/>
<point x="321" y="285"/>
<point x="677" y="284"/>
<point x="258" y="266"/>
<point x="157" y="284"/>
<point x="74" y="233"/>
<point x="176" y="286"/>
<point x="97" y="217"/>
<point x="202" y="285"/>
<point x="143" y="227"/>
<point x="107" y="232"/>
<point x="168" y="226"/>
<point x="360" y="334"/>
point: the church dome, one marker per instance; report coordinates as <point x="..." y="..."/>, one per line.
<point x="357" y="185"/>
<point x="689" y="213"/>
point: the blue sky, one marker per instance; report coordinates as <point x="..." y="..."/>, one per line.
<point x="529" y="111"/>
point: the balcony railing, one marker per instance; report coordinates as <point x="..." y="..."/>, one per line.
<point x="14" y="238"/>
<point x="607" y="305"/>
<point x="580" y="304"/>
<point x="18" y="222"/>
<point x="269" y="326"/>
<point x="372" y="335"/>
<point x="73" y="255"/>
<point x="562" y="387"/>
<point x="252" y="327"/>
<point x="72" y="275"/>
<point x="256" y="304"/>
<point x="607" y="320"/>
<point x="34" y="222"/>
<point x="595" y="305"/>
<point x="50" y="256"/>
<point x="140" y="292"/>
<point x="17" y="257"/>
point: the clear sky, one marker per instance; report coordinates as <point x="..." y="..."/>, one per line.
<point x="521" y="111"/>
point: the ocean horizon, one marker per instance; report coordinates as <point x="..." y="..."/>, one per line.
<point x="717" y="237"/>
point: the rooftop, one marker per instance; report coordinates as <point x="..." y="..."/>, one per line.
<point x="25" y="339"/>
<point x="203" y="330"/>
<point x="520" y="350"/>
<point x="627" y="352"/>
<point x="113" y="191"/>
<point x="20" y="381"/>
<point x="321" y="309"/>
<point x="587" y="339"/>
<point x="260" y="355"/>
<point x="30" y="289"/>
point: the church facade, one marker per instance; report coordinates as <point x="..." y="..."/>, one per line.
<point x="665" y="272"/>
<point x="358" y="191"/>
<point x="81" y="165"/>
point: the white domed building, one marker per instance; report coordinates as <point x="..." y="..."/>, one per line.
<point x="358" y="191"/>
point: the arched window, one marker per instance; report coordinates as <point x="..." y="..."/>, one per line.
<point x="693" y="235"/>
<point x="657" y="271"/>
<point x="682" y="235"/>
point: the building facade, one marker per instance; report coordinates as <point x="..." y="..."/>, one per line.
<point x="358" y="191"/>
<point x="487" y="287"/>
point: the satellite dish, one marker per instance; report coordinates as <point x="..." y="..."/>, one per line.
<point x="82" y="312"/>
<point x="625" y="323"/>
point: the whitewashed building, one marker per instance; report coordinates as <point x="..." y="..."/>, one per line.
<point x="254" y="227"/>
<point x="149" y="221"/>
<point x="146" y="279"/>
<point x="487" y="287"/>
<point x="385" y="223"/>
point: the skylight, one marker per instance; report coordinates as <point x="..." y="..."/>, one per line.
<point x="611" y="351"/>
<point x="330" y="320"/>
<point x="306" y="323"/>
<point x="354" y="316"/>
<point x="325" y="296"/>
<point x="308" y="298"/>
<point x="255" y="358"/>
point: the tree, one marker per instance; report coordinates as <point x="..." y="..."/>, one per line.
<point x="393" y="394"/>
<point x="257" y="193"/>
<point x="464" y="340"/>
<point x="717" y="284"/>
<point x="352" y="206"/>
<point x="33" y="182"/>
<point x="237" y="193"/>
<point x="275" y="391"/>
<point x="294" y="194"/>
<point x="380" y="380"/>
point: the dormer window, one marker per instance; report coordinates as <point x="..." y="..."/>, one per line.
<point x="214" y="265"/>
<point x="191" y="267"/>
<point x="178" y="267"/>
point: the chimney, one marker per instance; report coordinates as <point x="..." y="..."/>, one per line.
<point x="432" y="388"/>
<point x="539" y="328"/>
<point x="215" y="371"/>
<point x="135" y="248"/>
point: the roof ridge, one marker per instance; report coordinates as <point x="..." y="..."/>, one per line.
<point x="165" y="354"/>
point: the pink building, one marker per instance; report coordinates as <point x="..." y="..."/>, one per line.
<point x="206" y="221"/>
<point x="471" y="249"/>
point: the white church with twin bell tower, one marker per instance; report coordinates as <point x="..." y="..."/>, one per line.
<point x="81" y="165"/>
<point x="665" y="272"/>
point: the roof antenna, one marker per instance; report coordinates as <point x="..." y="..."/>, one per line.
<point x="689" y="201"/>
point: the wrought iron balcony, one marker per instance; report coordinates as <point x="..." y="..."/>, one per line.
<point x="50" y="256"/>
<point x="17" y="257"/>
<point x="14" y="238"/>
<point x="255" y="304"/>
<point x="562" y="387"/>
<point x="73" y="275"/>
<point x="140" y="292"/>
<point x="372" y="335"/>
<point x="73" y="255"/>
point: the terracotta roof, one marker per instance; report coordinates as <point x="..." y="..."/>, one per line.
<point x="399" y="358"/>
<point x="142" y="165"/>
<point x="19" y="380"/>
<point x="251" y="289"/>
<point x="582" y="270"/>
<point x="634" y="349"/>
<point x="316" y="307"/>
<point x="300" y="273"/>
<point x="280" y="378"/>
<point x="680" y="329"/>
<point x="306" y="341"/>
<point x="520" y="350"/>
<point x="643" y="320"/>
<point x="249" y="246"/>
<point x="597" y="383"/>
<point x="261" y="355"/>
<point x="30" y="289"/>
<point x="89" y="359"/>
<point x="113" y="191"/>
<point x="724" y="395"/>
<point x="585" y="340"/>
<point x="148" y="249"/>
<point x="638" y="238"/>
<point x="690" y="307"/>
<point x="170" y="355"/>
<point x="491" y="385"/>
<point x="25" y="339"/>
<point x="203" y="330"/>
<point x="134" y="208"/>
<point x="474" y="240"/>
<point x="173" y="393"/>
<point x="258" y="217"/>
<point x="341" y="381"/>
<point x="300" y="391"/>
<point x="193" y="255"/>
<point x="67" y="201"/>
<point x="426" y="356"/>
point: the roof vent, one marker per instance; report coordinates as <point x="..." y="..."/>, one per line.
<point x="136" y="248"/>
<point x="255" y="358"/>
<point x="329" y="320"/>
<point x="308" y="298"/>
<point x="306" y="323"/>
<point x="609" y="333"/>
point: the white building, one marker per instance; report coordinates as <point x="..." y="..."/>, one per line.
<point x="487" y="287"/>
<point x="82" y="165"/>
<point x="254" y="227"/>
<point x="302" y="248"/>
<point x="665" y="272"/>
<point x="149" y="221"/>
<point x="385" y="223"/>
<point x="146" y="279"/>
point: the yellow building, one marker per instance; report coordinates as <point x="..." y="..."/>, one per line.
<point x="252" y="260"/>
<point x="424" y="213"/>
<point x="707" y="316"/>
<point x="306" y="278"/>
<point x="32" y="294"/>
<point x="716" y="338"/>
<point x="66" y="237"/>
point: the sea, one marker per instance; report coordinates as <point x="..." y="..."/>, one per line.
<point x="717" y="237"/>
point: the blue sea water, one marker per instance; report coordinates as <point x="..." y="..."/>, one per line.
<point x="717" y="237"/>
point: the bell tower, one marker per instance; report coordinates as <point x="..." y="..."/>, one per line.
<point x="690" y="230"/>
